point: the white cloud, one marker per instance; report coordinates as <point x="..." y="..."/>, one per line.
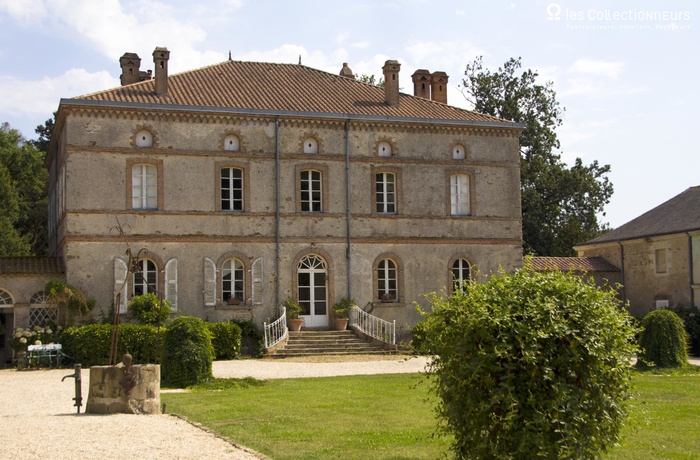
<point x="360" y="45"/>
<point x="25" y="12"/>
<point x="41" y="97"/>
<point x="600" y="68"/>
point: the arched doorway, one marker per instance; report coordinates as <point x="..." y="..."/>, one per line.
<point x="312" y="290"/>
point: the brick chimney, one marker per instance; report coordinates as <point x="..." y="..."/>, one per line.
<point x="130" y="63"/>
<point x="391" y="82"/>
<point x="160" y="59"/>
<point x="346" y="71"/>
<point x="438" y="87"/>
<point x="421" y="83"/>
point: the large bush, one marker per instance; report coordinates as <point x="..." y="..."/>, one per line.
<point x="89" y="345"/>
<point x="530" y="365"/>
<point x="691" y="319"/>
<point x="187" y="353"/>
<point x="663" y="341"/>
<point x="149" y="309"/>
<point x="226" y="339"/>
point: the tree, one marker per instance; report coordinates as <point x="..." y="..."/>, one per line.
<point x="44" y="131"/>
<point x="663" y="341"/>
<point x="26" y="179"/>
<point x="370" y="79"/>
<point x="529" y="365"/>
<point x="560" y="204"/>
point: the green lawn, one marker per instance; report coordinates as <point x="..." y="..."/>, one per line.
<point x="391" y="417"/>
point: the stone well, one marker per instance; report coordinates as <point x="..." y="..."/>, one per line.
<point x="124" y="389"/>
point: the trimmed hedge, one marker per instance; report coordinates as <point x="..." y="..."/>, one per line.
<point x="187" y="353"/>
<point x="89" y="345"/>
<point x="251" y="339"/>
<point x="691" y="319"/>
<point x="226" y="340"/>
<point x="663" y="342"/>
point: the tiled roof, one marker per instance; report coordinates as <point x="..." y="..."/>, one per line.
<point x="577" y="264"/>
<point x="30" y="265"/>
<point x="678" y="215"/>
<point x="286" y="88"/>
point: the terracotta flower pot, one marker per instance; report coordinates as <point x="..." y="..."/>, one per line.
<point x="295" y="324"/>
<point x="341" y="324"/>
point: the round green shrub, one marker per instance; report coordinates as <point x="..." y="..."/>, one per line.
<point x="530" y="365"/>
<point x="149" y="309"/>
<point x="226" y="339"/>
<point x="187" y="353"/>
<point x="252" y="343"/>
<point x="663" y="341"/>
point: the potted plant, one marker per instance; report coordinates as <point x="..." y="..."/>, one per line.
<point x="342" y="311"/>
<point x="234" y="300"/>
<point x="388" y="297"/>
<point x="293" y="309"/>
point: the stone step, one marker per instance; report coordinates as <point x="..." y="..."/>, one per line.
<point x="314" y="343"/>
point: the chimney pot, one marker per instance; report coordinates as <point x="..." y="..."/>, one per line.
<point x="438" y="89"/>
<point x="421" y="83"/>
<point x="346" y="71"/>
<point x="160" y="59"/>
<point x="130" y="63"/>
<point x="391" y="82"/>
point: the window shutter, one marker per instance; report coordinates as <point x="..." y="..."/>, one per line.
<point x="171" y="282"/>
<point x="120" y="283"/>
<point x="209" y="282"/>
<point x="257" y="279"/>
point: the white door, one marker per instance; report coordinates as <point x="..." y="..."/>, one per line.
<point x="312" y="291"/>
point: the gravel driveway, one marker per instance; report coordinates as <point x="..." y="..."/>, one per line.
<point x="40" y="422"/>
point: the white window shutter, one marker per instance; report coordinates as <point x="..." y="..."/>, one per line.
<point x="120" y="283"/>
<point x="257" y="279"/>
<point x="209" y="282"/>
<point x="171" y="282"/>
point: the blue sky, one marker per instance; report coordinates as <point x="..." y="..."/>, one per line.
<point x="626" y="71"/>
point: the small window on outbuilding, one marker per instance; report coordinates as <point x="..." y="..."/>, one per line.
<point x="232" y="143"/>
<point x="144" y="138"/>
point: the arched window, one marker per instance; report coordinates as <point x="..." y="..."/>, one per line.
<point x="233" y="281"/>
<point x="40" y="313"/>
<point x="310" y="145"/>
<point x="39" y="298"/>
<point x="145" y="280"/>
<point x="461" y="273"/>
<point x="387" y="281"/>
<point x="144" y="138"/>
<point x="5" y="298"/>
<point x="232" y="143"/>
<point x="458" y="152"/>
<point x="384" y="149"/>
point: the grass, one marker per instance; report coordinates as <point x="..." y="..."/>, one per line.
<point x="392" y="417"/>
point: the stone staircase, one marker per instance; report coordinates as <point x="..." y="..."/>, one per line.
<point x="310" y="343"/>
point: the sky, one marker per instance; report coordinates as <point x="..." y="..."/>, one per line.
<point x="625" y="71"/>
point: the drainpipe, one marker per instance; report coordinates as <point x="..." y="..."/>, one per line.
<point x="347" y="204"/>
<point x="622" y="270"/>
<point x="277" y="214"/>
<point x="690" y="269"/>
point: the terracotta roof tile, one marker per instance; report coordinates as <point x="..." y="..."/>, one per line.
<point x="577" y="264"/>
<point x="30" y="265"/>
<point x="283" y="87"/>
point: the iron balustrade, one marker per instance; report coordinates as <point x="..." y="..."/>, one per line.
<point x="276" y="331"/>
<point x="373" y="326"/>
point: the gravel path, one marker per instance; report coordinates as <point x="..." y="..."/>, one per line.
<point x="40" y="422"/>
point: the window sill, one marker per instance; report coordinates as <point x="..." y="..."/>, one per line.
<point x="225" y="306"/>
<point x="380" y="303"/>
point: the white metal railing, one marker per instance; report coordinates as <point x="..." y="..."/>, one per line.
<point x="372" y="326"/>
<point x="276" y="331"/>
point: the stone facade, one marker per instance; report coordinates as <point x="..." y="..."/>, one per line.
<point x="331" y="205"/>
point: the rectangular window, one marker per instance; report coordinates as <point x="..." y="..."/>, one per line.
<point x="144" y="186"/>
<point x="459" y="194"/>
<point x="231" y="189"/>
<point x="386" y="193"/>
<point x="311" y="196"/>
<point x="660" y="260"/>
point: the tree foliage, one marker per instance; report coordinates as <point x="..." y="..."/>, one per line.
<point x="187" y="353"/>
<point x="663" y="341"/>
<point x="23" y="181"/>
<point x="560" y="204"/>
<point x="150" y="310"/>
<point x="530" y="365"/>
<point x="71" y="298"/>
